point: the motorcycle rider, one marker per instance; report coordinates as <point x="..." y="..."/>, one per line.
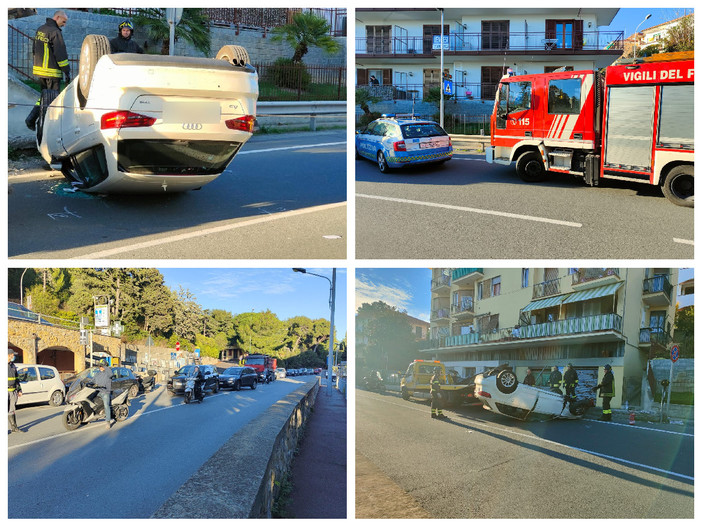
<point x="14" y="391"/>
<point x="123" y="42"/>
<point x="103" y="383"/>
<point x="199" y="380"/>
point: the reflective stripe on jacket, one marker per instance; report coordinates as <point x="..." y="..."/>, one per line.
<point x="50" y="55"/>
<point x="607" y="385"/>
<point x="13" y="383"/>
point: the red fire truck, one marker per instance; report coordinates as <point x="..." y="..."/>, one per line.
<point x="265" y="365"/>
<point x="631" y="122"/>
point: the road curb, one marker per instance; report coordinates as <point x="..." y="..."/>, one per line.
<point x="241" y="479"/>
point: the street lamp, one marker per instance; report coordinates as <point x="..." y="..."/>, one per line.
<point x="21" y="287"/>
<point x="636" y="33"/>
<point x="332" y="300"/>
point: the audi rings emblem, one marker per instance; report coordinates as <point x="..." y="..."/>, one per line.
<point x="192" y="126"/>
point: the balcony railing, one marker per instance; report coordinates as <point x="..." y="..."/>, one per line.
<point x="591" y="41"/>
<point x="443" y="281"/>
<point x="406" y="91"/>
<point x="464" y="305"/>
<point x="439" y="313"/>
<point x="570" y="326"/>
<point x="658" y="335"/>
<point x="583" y="275"/>
<point x="546" y="288"/>
<point x="657" y="284"/>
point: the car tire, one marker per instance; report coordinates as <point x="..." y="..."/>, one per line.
<point x="133" y="391"/>
<point x="92" y="49"/>
<point x="237" y="385"/>
<point x="358" y="155"/>
<point x="56" y="398"/>
<point x="506" y="381"/>
<point x="215" y="389"/>
<point x="382" y="163"/>
<point x="530" y="167"/>
<point x="72" y="420"/>
<point x="253" y="385"/>
<point x="235" y="55"/>
<point x="405" y="394"/>
<point x="679" y="186"/>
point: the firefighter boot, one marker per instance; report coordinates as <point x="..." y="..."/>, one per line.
<point x="31" y="120"/>
<point x="13" y="424"/>
<point x="433" y="413"/>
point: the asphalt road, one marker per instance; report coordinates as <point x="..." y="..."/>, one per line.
<point x="480" y="465"/>
<point x="469" y="209"/>
<point x="283" y="196"/>
<point x="129" y="470"/>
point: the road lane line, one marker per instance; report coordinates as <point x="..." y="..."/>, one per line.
<point x="292" y="147"/>
<point x="539" y="439"/>
<point x="642" y="428"/>
<point x="208" y="231"/>
<point x="683" y="241"/>
<point x="474" y="210"/>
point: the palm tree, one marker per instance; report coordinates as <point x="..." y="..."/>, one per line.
<point x="193" y="28"/>
<point x="305" y="30"/>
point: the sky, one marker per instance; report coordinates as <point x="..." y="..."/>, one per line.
<point x="409" y="288"/>
<point x="280" y="290"/>
<point x="627" y="19"/>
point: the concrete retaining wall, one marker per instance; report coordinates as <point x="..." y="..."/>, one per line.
<point x="242" y="479"/>
<point x="683" y="374"/>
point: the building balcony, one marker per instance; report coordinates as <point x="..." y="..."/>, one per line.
<point x="546" y="288"/>
<point x="466" y="276"/>
<point x="444" y="282"/>
<point x="464" y="308"/>
<point x="439" y="315"/>
<point x="653" y="335"/>
<point x="589" y="278"/>
<point x="657" y="291"/>
<point x="493" y="43"/>
<point x="582" y="330"/>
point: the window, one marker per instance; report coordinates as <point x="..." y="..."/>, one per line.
<point x="551" y="69"/>
<point x="480" y="290"/>
<point x="564" y="96"/>
<point x="46" y="374"/>
<point x="496" y="282"/>
<point x="490" y="77"/>
<point x="495" y="34"/>
<point x="377" y="39"/>
<point x="416" y="131"/>
<point x="677" y="109"/>
<point x="27" y="374"/>
<point x="525" y="278"/>
<point x="564" y="34"/>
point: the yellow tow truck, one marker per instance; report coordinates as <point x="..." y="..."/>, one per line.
<point x="417" y="382"/>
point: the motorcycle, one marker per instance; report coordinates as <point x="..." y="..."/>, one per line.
<point x="374" y="382"/>
<point x="193" y="390"/>
<point x="84" y="405"/>
<point x="148" y="382"/>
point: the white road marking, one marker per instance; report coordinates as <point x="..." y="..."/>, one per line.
<point x="206" y="232"/>
<point x="474" y="210"/>
<point x="467" y="159"/>
<point x="293" y="147"/>
<point x="539" y="439"/>
<point x="684" y="241"/>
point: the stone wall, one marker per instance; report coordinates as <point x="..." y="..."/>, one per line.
<point x="683" y="374"/>
<point x="242" y="479"/>
<point x="476" y="109"/>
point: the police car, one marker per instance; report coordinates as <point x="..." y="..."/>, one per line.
<point x="394" y="141"/>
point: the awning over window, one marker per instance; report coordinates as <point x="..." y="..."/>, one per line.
<point x="591" y="294"/>
<point x="545" y="302"/>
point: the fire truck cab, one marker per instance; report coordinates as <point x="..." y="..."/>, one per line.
<point x="631" y="122"/>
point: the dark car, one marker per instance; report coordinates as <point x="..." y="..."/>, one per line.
<point x="238" y="377"/>
<point x="176" y="383"/>
<point x="122" y="378"/>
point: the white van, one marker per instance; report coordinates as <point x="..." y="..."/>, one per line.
<point x="40" y="383"/>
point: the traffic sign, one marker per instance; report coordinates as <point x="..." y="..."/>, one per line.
<point x="173" y="356"/>
<point x="436" y="42"/>
<point x="177" y="346"/>
<point x="675" y="353"/>
<point x="448" y="87"/>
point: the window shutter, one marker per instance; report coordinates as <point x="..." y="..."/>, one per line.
<point x="387" y="77"/>
<point x="577" y="34"/>
<point x="361" y="77"/>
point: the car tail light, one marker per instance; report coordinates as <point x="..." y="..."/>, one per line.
<point x="245" y="123"/>
<point x="450" y="143"/>
<point x="125" y="119"/>
<point x="399" y="146"/>
<point x="483" y="394"/>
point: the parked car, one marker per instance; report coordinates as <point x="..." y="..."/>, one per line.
<point x="40" y="383"/>
<point x="500" y="392"/>
<point x="281" y="372"/>
<point x="394" y="142"/>
<point x="318" y="370"/>
<point x="237" y="377"/>
<point x="176" y="383"/>
<point x="149" y="123"/>
<point x="122" y="379"/>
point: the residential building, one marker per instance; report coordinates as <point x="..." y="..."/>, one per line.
<point x="652" y="36"/>
<point x="420" y="328"/>
<point x="396" y="58"/>
<point x="541" y="317"/>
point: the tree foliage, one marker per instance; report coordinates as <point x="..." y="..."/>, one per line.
<point x="681" y="36"/>
<point x="306" y="30"/>
<point x="685" y="331"/>
<point x="193" y="28"/>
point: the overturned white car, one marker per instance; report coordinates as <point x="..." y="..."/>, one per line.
<point x="149" y="123"/>
<point x="500" y="392"/>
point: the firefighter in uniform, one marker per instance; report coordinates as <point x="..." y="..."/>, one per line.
<point x="529" y="378"/>
<point x="570" y="380"/>
<point x="436" y="411"/>
<point x="606" y="387"/>
<point x="14" y="391"/>
<point x="555" y="379"/>
<point x="50" y="62"/>
<point x="123" y="42"/>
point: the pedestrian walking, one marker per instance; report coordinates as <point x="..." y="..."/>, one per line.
<point x="570" y="380"/>
<point x="123" y="42"/>
<point x="606" y="387"/>
<point x="103" y="383"/>
<point x="435" y="390"/>
<point x="14" y="391"/>
<point x="50" y="64"/>
<point x="555" y="379"/>
<point x="529" y="378"/>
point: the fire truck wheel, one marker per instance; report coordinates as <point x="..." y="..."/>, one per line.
<point x="679" y="186"/>
<point x="530" y="167"/>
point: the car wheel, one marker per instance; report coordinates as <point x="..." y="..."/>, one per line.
<point x="236" y="55"/>
<point x="382" y="163"/>
<point x="121" y="412"/>
<point x="133" y="391"/>
<point x="93" y="47"/>
<point x="679" y="186"/>
<point x="253" y="385"/>
<point x="358" y="155"/>
<point x="237" y="385"/>
<point x="56" y="398"/>
<point x="530" y="167"/>
<point x="215" y="389"/>
<point x="506" y="381"/>
<point x="73" y="419"/>
<point x="405" y="394"/>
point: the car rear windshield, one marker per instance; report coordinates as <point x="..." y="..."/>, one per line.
<point x="417" y="131"/>
<point x="175" y="157"/>
<point x="233" y="371"/>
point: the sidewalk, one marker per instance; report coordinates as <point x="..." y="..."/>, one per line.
<point x="318" y="472"/>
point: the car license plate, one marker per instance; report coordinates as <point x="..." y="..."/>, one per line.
<point x="427" y="145"/>
<point x="191" y="112"/>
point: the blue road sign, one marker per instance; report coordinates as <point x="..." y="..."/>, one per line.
<point x="436" y="42"/>
<point x="173" y="356"/>
<point x="448" y="87"/>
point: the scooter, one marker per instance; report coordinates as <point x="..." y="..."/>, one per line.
<point x="84" y="405"/>
<point x="148" y="382"/>
<point x="193" y="392"/>
<point x="374" y="382"/>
